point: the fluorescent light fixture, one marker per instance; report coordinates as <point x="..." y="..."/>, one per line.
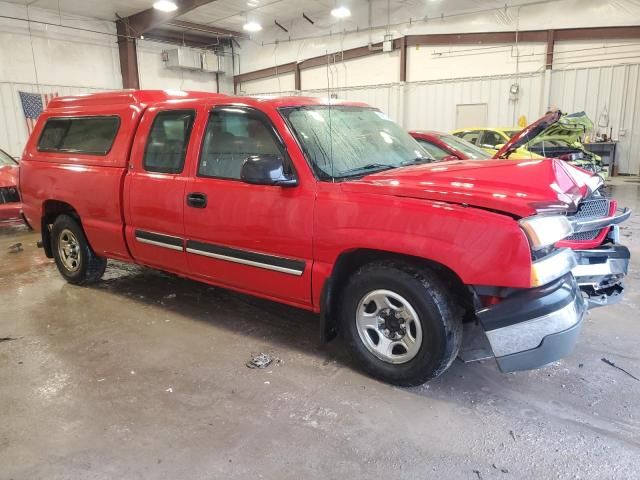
<point x="165" y="6"/>
<point x="252" y="27"/>
<point x="341" y="12"/>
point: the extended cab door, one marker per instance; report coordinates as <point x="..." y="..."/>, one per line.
<point x="155" y="186"/>
<point x="255" y="238"/>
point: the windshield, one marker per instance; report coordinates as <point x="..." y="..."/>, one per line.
<point x="6" y="159"/>
<point x="344" y="142"/>
<point x="469" y="149"/>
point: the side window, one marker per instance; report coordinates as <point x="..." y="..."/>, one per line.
<point x="435" y="151"/>
<point x="232" y="135"/>
<point x="491" y="139"/>
<point x="86" y="135"/>
<point x="471" y="137"/>
<point x="168" y="141"/>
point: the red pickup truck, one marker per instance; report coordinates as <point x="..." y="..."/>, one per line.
<point x="329" y="207"/>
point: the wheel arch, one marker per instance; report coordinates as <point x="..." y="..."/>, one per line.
<point x="52" y="209"/>
<point x="350" y="261"/>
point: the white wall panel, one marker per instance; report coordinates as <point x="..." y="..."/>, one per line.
<point x="274" y="85"/>
<point x="442" y="61"/>
<point x="582" y="54"/>
<point x="432" y="105"/>
<point x="154" y="75"/>
<point x="611" y="90"/>
<point x="372" y="70"/>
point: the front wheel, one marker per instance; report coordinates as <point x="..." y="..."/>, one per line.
<point x="75" y="259"/>
<point x="401" y="322"/>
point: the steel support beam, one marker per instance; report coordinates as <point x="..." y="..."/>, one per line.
<point x="128" y="56"/>
<point x="180" y="38"/>
<point x="205" y="29"/>
<point x="403" y="59"/>
<point x="297" y="78"/>
<point x="551" y="41"/>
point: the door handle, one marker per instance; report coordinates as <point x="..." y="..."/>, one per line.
<point x="197" y="200"/>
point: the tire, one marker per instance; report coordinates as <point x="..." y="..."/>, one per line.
<point x="397" y="294"/>
<point x="75" y="259"/>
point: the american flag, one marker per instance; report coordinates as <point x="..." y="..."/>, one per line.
<point x="32" y="105"/>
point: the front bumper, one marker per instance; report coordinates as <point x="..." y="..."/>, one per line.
<point x="599" y="273"/>
<point x="536" y="326"/>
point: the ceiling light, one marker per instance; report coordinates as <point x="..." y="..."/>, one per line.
<point x="165" y="6"/>
<point x="252" y="27"/>
<point x="341" y="12"/>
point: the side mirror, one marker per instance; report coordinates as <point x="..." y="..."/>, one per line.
<point x="266" y="170"/>
<point x="449" y="158"/>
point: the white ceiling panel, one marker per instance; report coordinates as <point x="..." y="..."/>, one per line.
<point x="101" y="9"/>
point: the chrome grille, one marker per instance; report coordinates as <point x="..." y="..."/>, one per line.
<point x="594" y="208"/>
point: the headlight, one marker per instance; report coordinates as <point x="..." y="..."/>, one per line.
<point x="552" y="266"/>
<point x="543" y="231"/>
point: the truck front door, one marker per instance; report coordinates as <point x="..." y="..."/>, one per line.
<point x="256" y="238"/>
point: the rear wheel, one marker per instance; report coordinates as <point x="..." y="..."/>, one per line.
<point x="401" y="322"/>
<point x="75" y="259"/>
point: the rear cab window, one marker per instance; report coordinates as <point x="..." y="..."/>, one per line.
<point x="84" y="135"/>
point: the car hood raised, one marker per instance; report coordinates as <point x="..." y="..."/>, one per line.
<point x="517" y="187"/>
<point x="9" y="175"/>
<point x="569" y="128"/>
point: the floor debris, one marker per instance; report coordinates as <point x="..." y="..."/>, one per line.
<point x="609" y="362"/>
<point x="262" y="360"/>
<point x="15" y="248"/>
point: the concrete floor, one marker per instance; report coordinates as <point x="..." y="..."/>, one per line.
<point x="144" y="376"/>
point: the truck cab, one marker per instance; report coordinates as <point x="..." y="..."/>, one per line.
<point x="330" y="207"/>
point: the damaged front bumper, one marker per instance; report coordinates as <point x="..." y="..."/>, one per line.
<point x="533" y="327"/>
<point x="599" y="273"/>
<point x="536" y="326"/>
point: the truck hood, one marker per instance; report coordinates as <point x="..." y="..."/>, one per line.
<point x="9" y="175"/>
<point x="569" y="128"/>
<point x="517" y="187"/>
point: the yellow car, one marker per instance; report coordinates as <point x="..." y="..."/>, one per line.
<point x="555" y="136"/>
<point x="492" y="139"/>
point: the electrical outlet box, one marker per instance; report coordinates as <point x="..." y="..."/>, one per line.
<point x="387" y="43"/>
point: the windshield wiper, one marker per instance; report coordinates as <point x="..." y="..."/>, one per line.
<point x="378" y="167"/>
<point x="415" y="161"/>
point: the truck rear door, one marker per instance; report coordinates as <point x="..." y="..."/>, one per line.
<point x="257" y="238"/>
<point x="155" y="186"/>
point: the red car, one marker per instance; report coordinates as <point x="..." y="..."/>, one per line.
<point x="10" y="205"/>
<point x="328" y="207"/>
<point x="445" y="147"/>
